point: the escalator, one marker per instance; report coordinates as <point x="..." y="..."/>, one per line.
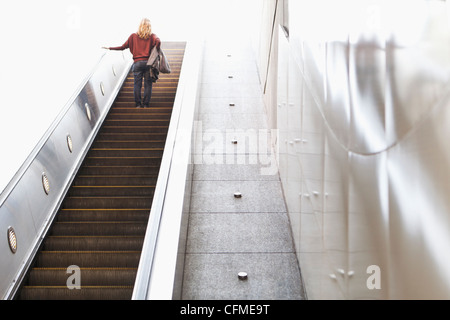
<point x="101" y="224"/>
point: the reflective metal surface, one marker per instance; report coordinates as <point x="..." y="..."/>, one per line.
<point x="362" y="109"/>
<point x="33" y="196"/>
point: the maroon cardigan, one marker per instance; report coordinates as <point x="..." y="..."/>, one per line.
<point x="139" y="48"/>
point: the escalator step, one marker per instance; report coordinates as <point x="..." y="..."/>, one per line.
<point x="123" y="116"/>
<point x="123" y="161"/>
<point x="107" y="203"/>
<point x="150" y="135"/>
<point x="85" y="293"/>
<point x="132" y="144"/>
<point x="111" y="191"/>
<point x="161" y="107"/>
<point x="88" y="259"/>
<point x="74" y="215"/>
<point x="114" y="170"/>
<point x="119" y="130"/>
<point x="136" y="122"/>
<point x="93" y="243"/>
<point x="88" y="276"/>
<point x="126" y="152"/>
<point x="123" y="180"/>
<point x="98" y="228"/>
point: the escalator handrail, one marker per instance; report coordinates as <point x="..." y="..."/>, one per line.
<point x="147" y="260"/>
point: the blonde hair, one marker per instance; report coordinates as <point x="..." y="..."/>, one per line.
<point x="145" y="29"/>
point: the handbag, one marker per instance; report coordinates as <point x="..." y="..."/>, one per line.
<point x="158" y="61"/>
<point x="153" y="62"/>
<point x="164" y="66"/>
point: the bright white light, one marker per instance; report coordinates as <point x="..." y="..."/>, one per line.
<point x="49" y="46"/>
<point x="421" y="218"/>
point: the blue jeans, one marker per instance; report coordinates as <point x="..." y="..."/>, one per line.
<point x="142" y="72"/>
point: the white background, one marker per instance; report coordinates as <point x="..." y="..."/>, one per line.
<point x="48" y="47"/>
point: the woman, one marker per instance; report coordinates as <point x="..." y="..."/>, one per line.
<point x="140" y="45"/>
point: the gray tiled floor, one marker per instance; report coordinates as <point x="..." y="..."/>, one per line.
<point x="233" y="172"/>
<point x="228" y="235"/>
<point x="243" y="105"/>
<point x="271" y="276"/>
<point x="239" y="233"/>
<point x="218" y="196"/>
<point x="232" y="121"/>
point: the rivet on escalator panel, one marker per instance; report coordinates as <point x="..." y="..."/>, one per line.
<point x="45" y="183"/>
<point x="238" y="195"/>
<point x="102" y="87"/>
<point x="88" y="111"/>
<point x="70" y="143"/>
<point x="12" y="239"/>
<point x="232" y="104"/>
